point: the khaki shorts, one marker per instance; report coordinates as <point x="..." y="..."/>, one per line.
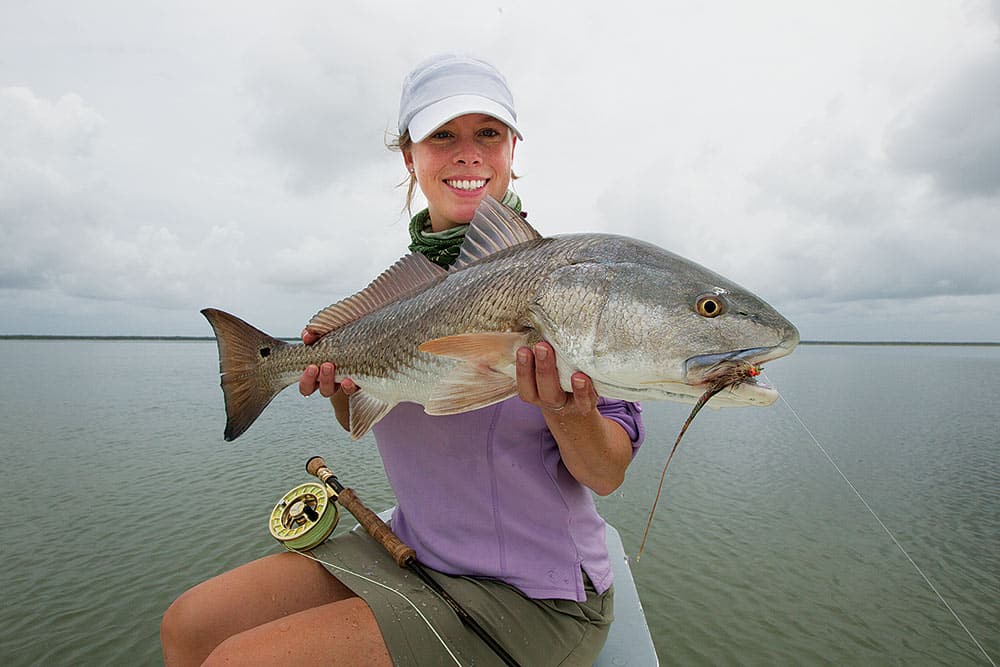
<point x="421" y="630"/>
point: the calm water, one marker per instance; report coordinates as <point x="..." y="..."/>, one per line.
<point x="121" y="493"/>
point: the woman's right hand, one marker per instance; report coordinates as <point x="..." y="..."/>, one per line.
<point x="319" y="377"/>
<point x="322" y="377"/>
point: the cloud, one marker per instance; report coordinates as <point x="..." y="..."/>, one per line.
<point x="45" y="151"/>
<point x="953" y="135"/>
<point x="305" y="116"/>
<point x="45" y="131"/>
<point x="859" y="227"/>
<point x="58" y="233"/>
<point x="321" y="106"/>
<point x="155" y="163"/>
<point x="45" y="146"/>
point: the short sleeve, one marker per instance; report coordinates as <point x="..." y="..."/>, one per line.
<point x="628" y="414"/>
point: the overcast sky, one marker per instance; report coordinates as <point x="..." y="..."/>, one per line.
<point x="839" y="159"/>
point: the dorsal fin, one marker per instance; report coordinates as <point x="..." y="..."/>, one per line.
<point x="409" y="275"/>
<point x="493" y="228"/>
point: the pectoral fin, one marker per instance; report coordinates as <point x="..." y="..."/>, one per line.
<point x="470" y="387"/>
<point x="486" y="377"/>
<point x="491" y="349"/>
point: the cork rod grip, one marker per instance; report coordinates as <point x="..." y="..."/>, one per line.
<point x="377" y="528"/>
<point x="370" y="521"/>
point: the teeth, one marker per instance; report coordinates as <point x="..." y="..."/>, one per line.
<point x="467" y="185"/>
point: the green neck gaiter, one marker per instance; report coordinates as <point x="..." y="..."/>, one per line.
<point x="442" y="247"/>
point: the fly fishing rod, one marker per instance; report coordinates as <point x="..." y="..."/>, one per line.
<point x="404" y="555"/>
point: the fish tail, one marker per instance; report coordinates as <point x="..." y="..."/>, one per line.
<point x="244" y="353"/>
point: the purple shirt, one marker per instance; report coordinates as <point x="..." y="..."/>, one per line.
<point x="486" y="494"/>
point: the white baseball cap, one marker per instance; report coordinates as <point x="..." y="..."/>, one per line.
<point x="447" y="86"/>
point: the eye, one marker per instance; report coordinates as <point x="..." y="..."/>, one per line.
<point x="710" y="305"/>
<point x="489" y="132"/>
<point x="441" y="134"/>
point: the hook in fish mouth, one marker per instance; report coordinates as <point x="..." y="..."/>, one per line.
<point x="730" y="373"/>
<point x="735" y="377"/>
<point x="737" y="373"/>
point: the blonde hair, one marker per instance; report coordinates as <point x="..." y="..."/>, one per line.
<point x="402" y="143"/>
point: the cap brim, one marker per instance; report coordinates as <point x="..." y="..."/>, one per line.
<point x="433" y="116"/>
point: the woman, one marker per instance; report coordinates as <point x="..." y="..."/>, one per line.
<point x="497" y="501"/>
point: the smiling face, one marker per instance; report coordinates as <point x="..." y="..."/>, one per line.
<point x="459" y="163"/>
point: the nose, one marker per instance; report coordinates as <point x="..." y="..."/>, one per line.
<point x="467" y="153"/>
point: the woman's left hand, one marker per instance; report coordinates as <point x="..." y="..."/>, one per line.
<point x="538" y="383"/>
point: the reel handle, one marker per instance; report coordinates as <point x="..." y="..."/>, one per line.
<point x="370" y="521"/>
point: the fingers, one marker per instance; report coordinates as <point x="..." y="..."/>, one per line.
<point x="525" y="373"/>
<point x="309" y="381"/>
<point x="327" y="383"/>
<point x="538" y="382"/>
<point x="550" y="392"/>
<point x="584" y="394"/>
<point x="320" y="377"/>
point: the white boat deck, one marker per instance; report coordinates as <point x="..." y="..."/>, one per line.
<point x="629" y="641"/>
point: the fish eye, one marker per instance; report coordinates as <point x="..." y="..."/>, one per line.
<point x="709" y="305"/>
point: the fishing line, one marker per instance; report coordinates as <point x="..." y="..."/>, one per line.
<point x="887" y="531"/>
<point x="388" y="588"/>
<point x="722" y="376"/>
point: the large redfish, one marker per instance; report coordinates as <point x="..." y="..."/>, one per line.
<point x="643" y="323"/>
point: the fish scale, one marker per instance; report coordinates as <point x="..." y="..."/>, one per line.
<point x="621" y="310"/>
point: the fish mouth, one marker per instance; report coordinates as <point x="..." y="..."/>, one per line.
<point x="698" y="365"/>
<point x="739" y="370"/>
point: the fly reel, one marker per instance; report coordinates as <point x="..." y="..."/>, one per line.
<point x="304" y="517"/>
